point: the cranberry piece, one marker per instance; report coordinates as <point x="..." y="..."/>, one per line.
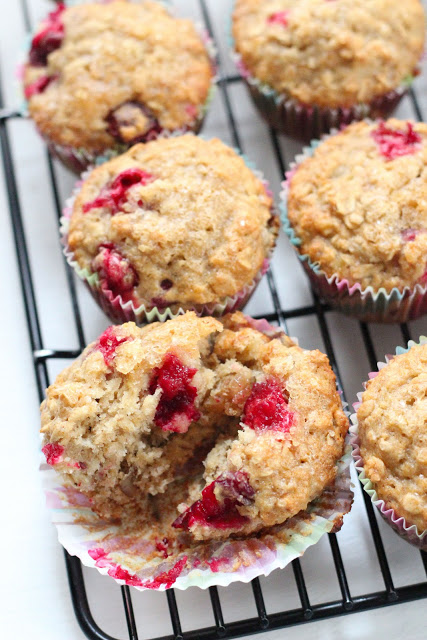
<point x="48" y="39"/>
<point x="166" y="284"/>
<point x="176" y="410"/>
<point x="235" y="486"/>
<point x="266" y="409"/>
<point x="160" y="302"/>
<point x="408" y="235"/>
<point x="114" y="195"/>
<point x="38" y="86"/>
<point x="107" y="345"/>
<point x="162" y="547"/>
<point x="132" y="122"/>
<point x="53" y="453"/>
<point x="394" y="143"/>
<point x="192" y="111"/>
<point x="218" y="509"/>
<point x="280" y="17"/>
<point x="116" y="273"/>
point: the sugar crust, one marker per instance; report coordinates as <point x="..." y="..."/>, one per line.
<point x="103" y="417"/>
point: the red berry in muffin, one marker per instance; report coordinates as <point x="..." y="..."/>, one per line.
<point x="214" y="427"/>
<point x="115" y="272"/>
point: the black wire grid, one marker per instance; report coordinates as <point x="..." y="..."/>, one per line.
<point x="347" y="604"/>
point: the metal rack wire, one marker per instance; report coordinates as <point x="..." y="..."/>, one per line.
<point x="42" y="354"/>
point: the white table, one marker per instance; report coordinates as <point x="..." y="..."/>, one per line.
<point x="34" y="591"/>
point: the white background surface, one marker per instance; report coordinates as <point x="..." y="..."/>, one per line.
<point x="34" y="596"/>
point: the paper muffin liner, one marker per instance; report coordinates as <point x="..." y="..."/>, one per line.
<point x="145" y="559"/>
<point x="305" y="122"/>
<point x="136" y="560"/>
<point x="79" y="159"/>
<point x="367" y="304"/>
<point x="119" y="311"/>
<point x="400" y="525"/>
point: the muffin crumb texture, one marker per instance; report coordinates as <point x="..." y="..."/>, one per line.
<point x="330" y="53"/>
<point x="103" y="74"/>
<point x="359" y="205"/>
<point x="174" y="223"/>
<point x="196" y="426"/>
<point x="393" y="432"/>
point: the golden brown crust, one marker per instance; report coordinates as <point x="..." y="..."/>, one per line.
<point x="204" y="224"/>
<point x="286" y="473"/>
<point x="393" y="432"/>
<point x="360" y="215"/>
<point x="112" y="54"/>
<point x="102" y="415"/>
<point x="330" y="54"/>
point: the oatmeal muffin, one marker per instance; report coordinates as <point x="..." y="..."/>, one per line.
<point x="103" y="76"/>
<point x="177" y="223"/>
<point x="357" y="210"/>
<point x="315" y="64"/>
<point x="392" y="419"/>
<point x="131" y="421"/>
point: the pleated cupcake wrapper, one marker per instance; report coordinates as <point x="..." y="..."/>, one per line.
<point x="366" y="304"/>
<point x="405" y="530"/>
<point x="119" y="311"/>
<point x="305" y="122"/>
<point x="134" y="559"/>
<point x="78" y="159"/>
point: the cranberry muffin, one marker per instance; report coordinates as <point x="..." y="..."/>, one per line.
<point x="178" y="223"/>
<point x="357" y="216"/>
<point x="104" y="76"/>
<point x="316" y="64"/>
<point x="142" y="408"/>
<point x="392" y="418"/>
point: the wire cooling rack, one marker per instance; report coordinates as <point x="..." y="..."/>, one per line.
<point x="237" y="132"/>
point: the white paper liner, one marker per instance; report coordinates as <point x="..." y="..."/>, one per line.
<point x="400" y="525"/>
<point x="136" y="560"/>
<point x="119" y="311"/>
<point x="133" y="559"/>
<point x="366" y="304"/>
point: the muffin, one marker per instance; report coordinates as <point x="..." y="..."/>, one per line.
<point x="391" y="442"/>
<point x="357" y="214"/>
<point x="100" y="77"/>
<point x="175" y="224"/>
<point x="226" y="429"/>
<point x="311" y="65"/>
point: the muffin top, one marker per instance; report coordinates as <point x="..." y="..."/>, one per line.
<point x="103" y="73"/>
<point x="173" y="221"/>
<point x="142" y="409"/>
<point x="393" y="432"/>
<point x="359" y="204"/>
<point x="329" y="53"/>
